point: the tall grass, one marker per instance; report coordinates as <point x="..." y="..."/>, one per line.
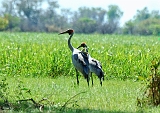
<point x="41" y="54"/>
<point x="32" y="54"/>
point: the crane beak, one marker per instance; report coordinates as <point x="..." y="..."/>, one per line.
<point x="63" y="32"/>
<point x="79" y="47"/>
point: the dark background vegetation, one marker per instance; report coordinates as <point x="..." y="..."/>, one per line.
<point x="31" y="16"/>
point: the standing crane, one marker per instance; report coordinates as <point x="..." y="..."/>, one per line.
<point x="79" y="61"/>
<point x="94" y="65"/>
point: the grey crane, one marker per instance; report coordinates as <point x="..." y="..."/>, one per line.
<point x="79" y="61"/>
<point x="94" y="65"/>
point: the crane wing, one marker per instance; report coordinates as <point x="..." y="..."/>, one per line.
<point x="81" y="63"/>
<point x="96" y="63"/>
<point x="79" y="57"/>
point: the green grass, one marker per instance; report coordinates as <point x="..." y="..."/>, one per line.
<point x="115" y="96"/>
<point x="41" y="63"/>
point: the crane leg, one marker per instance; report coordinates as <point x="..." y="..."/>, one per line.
<point x="77" y="76"/>
<point x="101" y="82"/>
<point x="92" y="79"/>
<point x="88" y="81"/>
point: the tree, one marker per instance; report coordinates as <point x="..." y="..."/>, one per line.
<point x="114" y="13"/>
<point x="9" y="7"/>
<point x="3" y="23"/>
<point x="97" y="14"/>
<point x="129" y="27"/>
<point x="155" y="14"/>
<point x="113" y="16"/>
<point x="149" y="26"/>
<point x="85" y="25"/>
<point x="142" y="14"/>
<point x="29" y="11"/>
<point x="29" y="15"/>
<point x="49" y="19"/>
<point x="13" y="21"/>
<point x="10" y="14"/>
<point x="144" y="23"/>
<point x="62" y="21"/>
<point x="88" y="20"/>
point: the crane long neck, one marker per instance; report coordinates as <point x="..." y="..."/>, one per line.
<point x="69" y="43"/>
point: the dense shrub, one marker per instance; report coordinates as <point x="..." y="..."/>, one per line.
<point x="3" y="23"/>
<point x="149" y="27"/>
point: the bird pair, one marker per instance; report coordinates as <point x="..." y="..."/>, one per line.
<point x="83" y="62"/>
<point x="94" y="65"/>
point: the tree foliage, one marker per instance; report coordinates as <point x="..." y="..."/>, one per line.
<point x="144" y="23"/>
<point x="13" y="22"/>
<point x="142" y="15"/>
<point x="149" y="27"/>
<point x="31" y="15"/>
<point x="114" y="13"/>
<point x="85" y="25"/>
<point x="3" y="23"/>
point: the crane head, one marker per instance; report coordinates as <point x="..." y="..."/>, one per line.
<point x="85" y="48"/>
<point x="69" y="31"/>
<point x="83" y="44"/>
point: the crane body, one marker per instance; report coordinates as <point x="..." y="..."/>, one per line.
<point x="79" y="61"/>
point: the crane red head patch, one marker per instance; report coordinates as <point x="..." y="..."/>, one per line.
<point x="83" y="44"/>
<point x="69" y="31"/>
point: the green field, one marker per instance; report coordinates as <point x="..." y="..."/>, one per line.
<point x="40" y="64"/>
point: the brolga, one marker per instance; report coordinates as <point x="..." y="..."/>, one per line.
<point x="94" y="65"/>
<point x="79" y="61"/>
